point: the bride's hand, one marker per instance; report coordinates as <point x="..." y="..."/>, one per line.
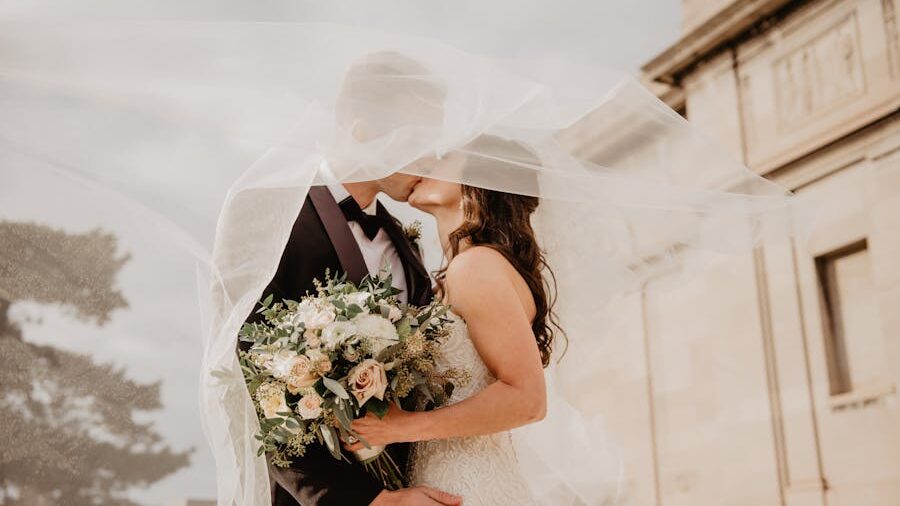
<point x="393" y="428"/>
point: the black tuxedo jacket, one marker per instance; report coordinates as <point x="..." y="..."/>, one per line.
<point x="322" y="240"/>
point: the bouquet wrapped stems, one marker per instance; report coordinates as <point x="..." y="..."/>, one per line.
<point x="379" y="463"/>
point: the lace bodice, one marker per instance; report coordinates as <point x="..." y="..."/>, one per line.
<point x="484" y="470"/>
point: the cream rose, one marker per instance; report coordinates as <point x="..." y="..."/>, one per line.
<point x="320" y="361"/>
<point x="368" y="380"/>
<point x="271" y="399"/>
<point x="302" y="374"/>
<point x="309" y="406"/>
<point x="312" y="338"/>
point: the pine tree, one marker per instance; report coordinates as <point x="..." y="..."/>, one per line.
<point x="68" y="431"/>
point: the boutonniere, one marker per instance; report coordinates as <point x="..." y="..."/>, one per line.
<point x="413" y="232"/>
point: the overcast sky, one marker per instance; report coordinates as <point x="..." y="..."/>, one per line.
<point x="620" y="33"/>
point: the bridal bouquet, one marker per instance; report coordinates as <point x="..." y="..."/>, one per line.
<point x="315" y="365"/>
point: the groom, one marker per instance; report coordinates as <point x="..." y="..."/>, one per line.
<point x="342" y="228"/>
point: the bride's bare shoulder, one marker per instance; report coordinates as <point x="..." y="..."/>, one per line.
<point x="477" y="260"/>
<point x="476" y="270"/>
<point x="481" y="282"/>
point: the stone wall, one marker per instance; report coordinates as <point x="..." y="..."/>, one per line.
<point x="772" y="380"/>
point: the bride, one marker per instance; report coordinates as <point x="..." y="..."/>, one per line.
<point x="502" y="335"/>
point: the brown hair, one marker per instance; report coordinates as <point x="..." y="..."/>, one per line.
<point x="502" y="221"/>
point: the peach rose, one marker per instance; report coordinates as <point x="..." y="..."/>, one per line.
<point x="368" y="380"/>
<point x="309" y="406"/>
<point x="302" y="374"/>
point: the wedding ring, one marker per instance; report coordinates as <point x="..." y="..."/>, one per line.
<point x="352" y="440"/>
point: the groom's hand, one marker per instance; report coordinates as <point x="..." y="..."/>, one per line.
<point x="416" y="496"/>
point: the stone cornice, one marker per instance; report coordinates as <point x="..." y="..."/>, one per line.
<point x="729" y="24"/>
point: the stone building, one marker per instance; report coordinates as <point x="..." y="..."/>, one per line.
<point x="772" y="380"/>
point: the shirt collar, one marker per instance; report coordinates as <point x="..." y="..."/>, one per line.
<point x="340" y="193"/>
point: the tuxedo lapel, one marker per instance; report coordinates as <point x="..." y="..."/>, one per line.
<point x="339" y="233"/>
<point x="418" y="283"/>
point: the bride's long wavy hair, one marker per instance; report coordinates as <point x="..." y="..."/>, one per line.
<point x="502" y="221"/>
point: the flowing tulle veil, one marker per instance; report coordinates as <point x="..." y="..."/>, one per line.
<point x="210" y="134"/>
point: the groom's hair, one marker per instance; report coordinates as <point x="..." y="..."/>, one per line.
<point x="386" y="91"/>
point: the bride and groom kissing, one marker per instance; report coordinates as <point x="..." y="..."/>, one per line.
<point x="493" y="279"/>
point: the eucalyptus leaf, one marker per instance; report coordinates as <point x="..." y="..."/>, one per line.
<point x="335" y="387"/>
<point x="331" y="440"/>
<point x="342" y="417"/>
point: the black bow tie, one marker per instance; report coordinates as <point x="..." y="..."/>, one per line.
<point x="370" y="224"/>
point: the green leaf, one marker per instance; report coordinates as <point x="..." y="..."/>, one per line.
<point x="335" y="387"/>
<point x="377" y="406"/>
<point x="329" y="435"/>
<point x="342" y="415"/>
<point x="404" y="328"/>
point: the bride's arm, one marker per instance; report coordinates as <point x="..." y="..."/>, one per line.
<point x="481" y="286"/>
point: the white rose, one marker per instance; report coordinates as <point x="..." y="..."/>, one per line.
<point x="309" y="406"/>
<point x="313" y="316"/>
<point x="304" y="312"/>
<point x="281" y="363"/>
<point x="367" y="380"/>
<point x="337" y="332"/>
<point x="394" y="313"/>
<point x="321" y="319"/>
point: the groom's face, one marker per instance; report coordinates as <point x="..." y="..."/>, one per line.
<point x="398" y="186"/>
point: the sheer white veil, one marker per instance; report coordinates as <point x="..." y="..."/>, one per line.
<point x="211" y="133"/>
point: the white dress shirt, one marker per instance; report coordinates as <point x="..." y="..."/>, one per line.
<point x="380" y="251"/>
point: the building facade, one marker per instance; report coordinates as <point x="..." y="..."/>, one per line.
<point x="772" y="379"/>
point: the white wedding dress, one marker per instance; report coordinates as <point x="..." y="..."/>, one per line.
<point x="484" y="470"/>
